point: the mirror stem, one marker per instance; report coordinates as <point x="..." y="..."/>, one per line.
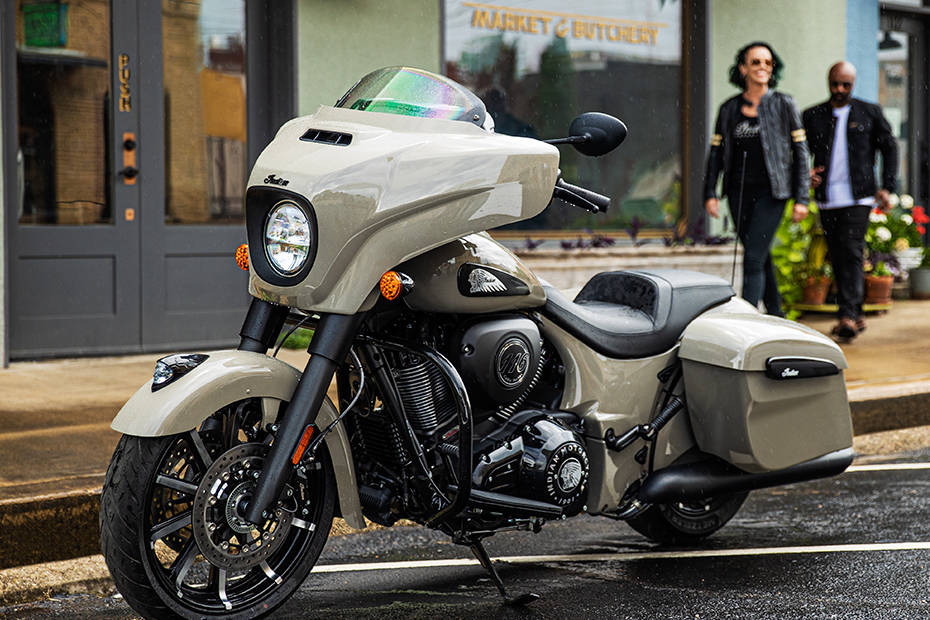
<point x="569" y="140"/>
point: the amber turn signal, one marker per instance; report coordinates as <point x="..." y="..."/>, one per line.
<point x="394" y="284"/>
<point x="242" y="257"/>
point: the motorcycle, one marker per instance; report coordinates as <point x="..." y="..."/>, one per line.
<point x="472" y="396"/>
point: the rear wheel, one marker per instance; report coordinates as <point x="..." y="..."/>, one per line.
<point x="686" y="523"/>
<point x="171" y="530"/>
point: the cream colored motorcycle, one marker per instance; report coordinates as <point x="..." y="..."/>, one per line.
<point x="472" y="396"/>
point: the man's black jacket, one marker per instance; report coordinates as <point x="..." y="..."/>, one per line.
<point x="866" y="131"/>
<point x="783" y="146"/>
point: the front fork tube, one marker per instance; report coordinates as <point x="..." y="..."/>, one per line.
<point x="328" y="348"/>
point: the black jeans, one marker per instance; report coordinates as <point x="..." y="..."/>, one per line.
<point x="845" y="229"/>
<point x="759" y="217"/>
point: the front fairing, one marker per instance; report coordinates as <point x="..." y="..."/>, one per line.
<point x="400" y="188"/>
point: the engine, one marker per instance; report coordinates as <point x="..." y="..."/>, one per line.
<point x="543" y="460"/>
<point x="522" y="447"/>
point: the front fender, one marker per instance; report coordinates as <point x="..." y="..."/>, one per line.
<point x="224" y="378"/>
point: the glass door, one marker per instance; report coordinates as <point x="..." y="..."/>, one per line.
<point x="131" y="167"/>
<point x="74" y="236"/>
<point x="193" y="294"/>
<point x="902" y="93"/>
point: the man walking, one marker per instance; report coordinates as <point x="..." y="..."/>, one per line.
<point x="844" y="133"/>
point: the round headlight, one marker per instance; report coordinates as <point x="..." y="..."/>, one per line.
<point x="287" y="238"/>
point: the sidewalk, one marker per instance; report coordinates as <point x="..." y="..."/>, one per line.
<point x="55" y="441"/>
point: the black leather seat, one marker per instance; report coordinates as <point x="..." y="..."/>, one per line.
<point x="631" y="314"/>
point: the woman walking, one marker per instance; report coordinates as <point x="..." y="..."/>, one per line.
<point x="760" y="146"/>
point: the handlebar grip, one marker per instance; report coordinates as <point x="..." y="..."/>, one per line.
<point x="602" y="203"/>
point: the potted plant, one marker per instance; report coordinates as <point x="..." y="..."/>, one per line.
<point x="919" y="277"/>
<point x="878" y="284"/>
<point x="815" y="283"/>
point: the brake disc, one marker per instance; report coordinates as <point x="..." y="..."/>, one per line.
<point x="226" y="539"/>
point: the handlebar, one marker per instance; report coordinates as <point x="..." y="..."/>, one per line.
<point x="581" y="197"/>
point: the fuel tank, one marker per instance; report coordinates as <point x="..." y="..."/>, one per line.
<point x="471" y="275"/>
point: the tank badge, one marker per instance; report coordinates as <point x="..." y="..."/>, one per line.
<point x="481" y="281"/>
<point x="513" y="361"/>
<point x="273" y="180"/>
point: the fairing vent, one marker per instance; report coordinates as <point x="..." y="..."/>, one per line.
<point x="327" y="137"/>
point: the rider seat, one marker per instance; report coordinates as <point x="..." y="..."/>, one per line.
<point x="633" y="314"/>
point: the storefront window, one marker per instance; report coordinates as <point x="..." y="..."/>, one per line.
<point x="537" y="64"/>
<point x="63" y="88"/>
<point x="893" y="89"/>
<point x="205" y="114"/>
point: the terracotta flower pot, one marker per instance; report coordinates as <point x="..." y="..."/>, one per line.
<point x="815" y="290"/>
<point x="878" y="289"/>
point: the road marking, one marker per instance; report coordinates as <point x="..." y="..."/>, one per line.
<point x="629" y="557"/>
<point x="888" y="467"/>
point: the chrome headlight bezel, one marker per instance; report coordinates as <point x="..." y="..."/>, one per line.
<point x="286" y="219"/>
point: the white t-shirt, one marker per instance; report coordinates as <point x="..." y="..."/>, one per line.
<point x="839" y="190"/>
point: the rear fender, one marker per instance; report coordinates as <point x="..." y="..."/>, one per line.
<point x="224" y="378"/>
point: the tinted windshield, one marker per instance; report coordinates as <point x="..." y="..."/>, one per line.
<point x="414" y="92"/>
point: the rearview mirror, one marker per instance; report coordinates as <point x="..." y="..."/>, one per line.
<point x="594" y="134"/>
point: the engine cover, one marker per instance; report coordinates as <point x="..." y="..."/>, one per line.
<point x="498" y="358"/>
<point x="546" y="462"/>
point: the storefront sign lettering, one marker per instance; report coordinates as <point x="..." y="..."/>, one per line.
<point x="563" y="25"/>
<point x="125" y="100"/>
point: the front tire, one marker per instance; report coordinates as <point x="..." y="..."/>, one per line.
<point x="171" y="536"/>
<point x="686" y="523"/>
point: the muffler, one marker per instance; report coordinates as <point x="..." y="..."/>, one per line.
<point x="714" y="477"/>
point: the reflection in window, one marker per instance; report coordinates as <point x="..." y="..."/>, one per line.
<point x="63" y="99"/>
<point x="537" y="64"/>
<point x="205" y="116"/>
<point x="893" y="95"/>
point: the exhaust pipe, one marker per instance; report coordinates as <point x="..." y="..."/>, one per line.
<point x="714" y="477"/>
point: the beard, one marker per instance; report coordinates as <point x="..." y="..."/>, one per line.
<point x="840" y="98"/>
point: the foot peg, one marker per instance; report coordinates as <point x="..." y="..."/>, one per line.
<point x="514" y="601"/>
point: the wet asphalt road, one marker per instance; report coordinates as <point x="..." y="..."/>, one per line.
<point x="856" y="508"/>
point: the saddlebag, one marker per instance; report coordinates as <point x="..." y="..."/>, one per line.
<point x="763" y="393"/>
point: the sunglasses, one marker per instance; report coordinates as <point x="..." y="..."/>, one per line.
<point x="755" y="62"/>
<point x="834" y="84"/>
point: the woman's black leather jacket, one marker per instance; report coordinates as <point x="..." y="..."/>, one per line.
<point x="784" y="145"/>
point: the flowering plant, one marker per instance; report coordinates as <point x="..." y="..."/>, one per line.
<point x="898" y="228"/>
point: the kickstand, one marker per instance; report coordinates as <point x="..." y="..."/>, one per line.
<point x="481" y="553"/>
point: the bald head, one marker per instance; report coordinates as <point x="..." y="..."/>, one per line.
<point x="841" y="78"/>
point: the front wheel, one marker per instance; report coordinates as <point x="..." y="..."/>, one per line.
<point x="171" y="531"/>
<point x="686" y="523"/>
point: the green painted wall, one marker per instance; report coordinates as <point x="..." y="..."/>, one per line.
<point x="809" y="37"/>
<point x="339" y="42"/>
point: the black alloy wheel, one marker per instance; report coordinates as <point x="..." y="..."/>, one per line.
<point x="171" y="530"/>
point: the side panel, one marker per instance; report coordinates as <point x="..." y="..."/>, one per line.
<point x="759" y="424"/>
<point x="226" y="377"/>
<point x="436" y="278"/>
<point x="616" y="394"/>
